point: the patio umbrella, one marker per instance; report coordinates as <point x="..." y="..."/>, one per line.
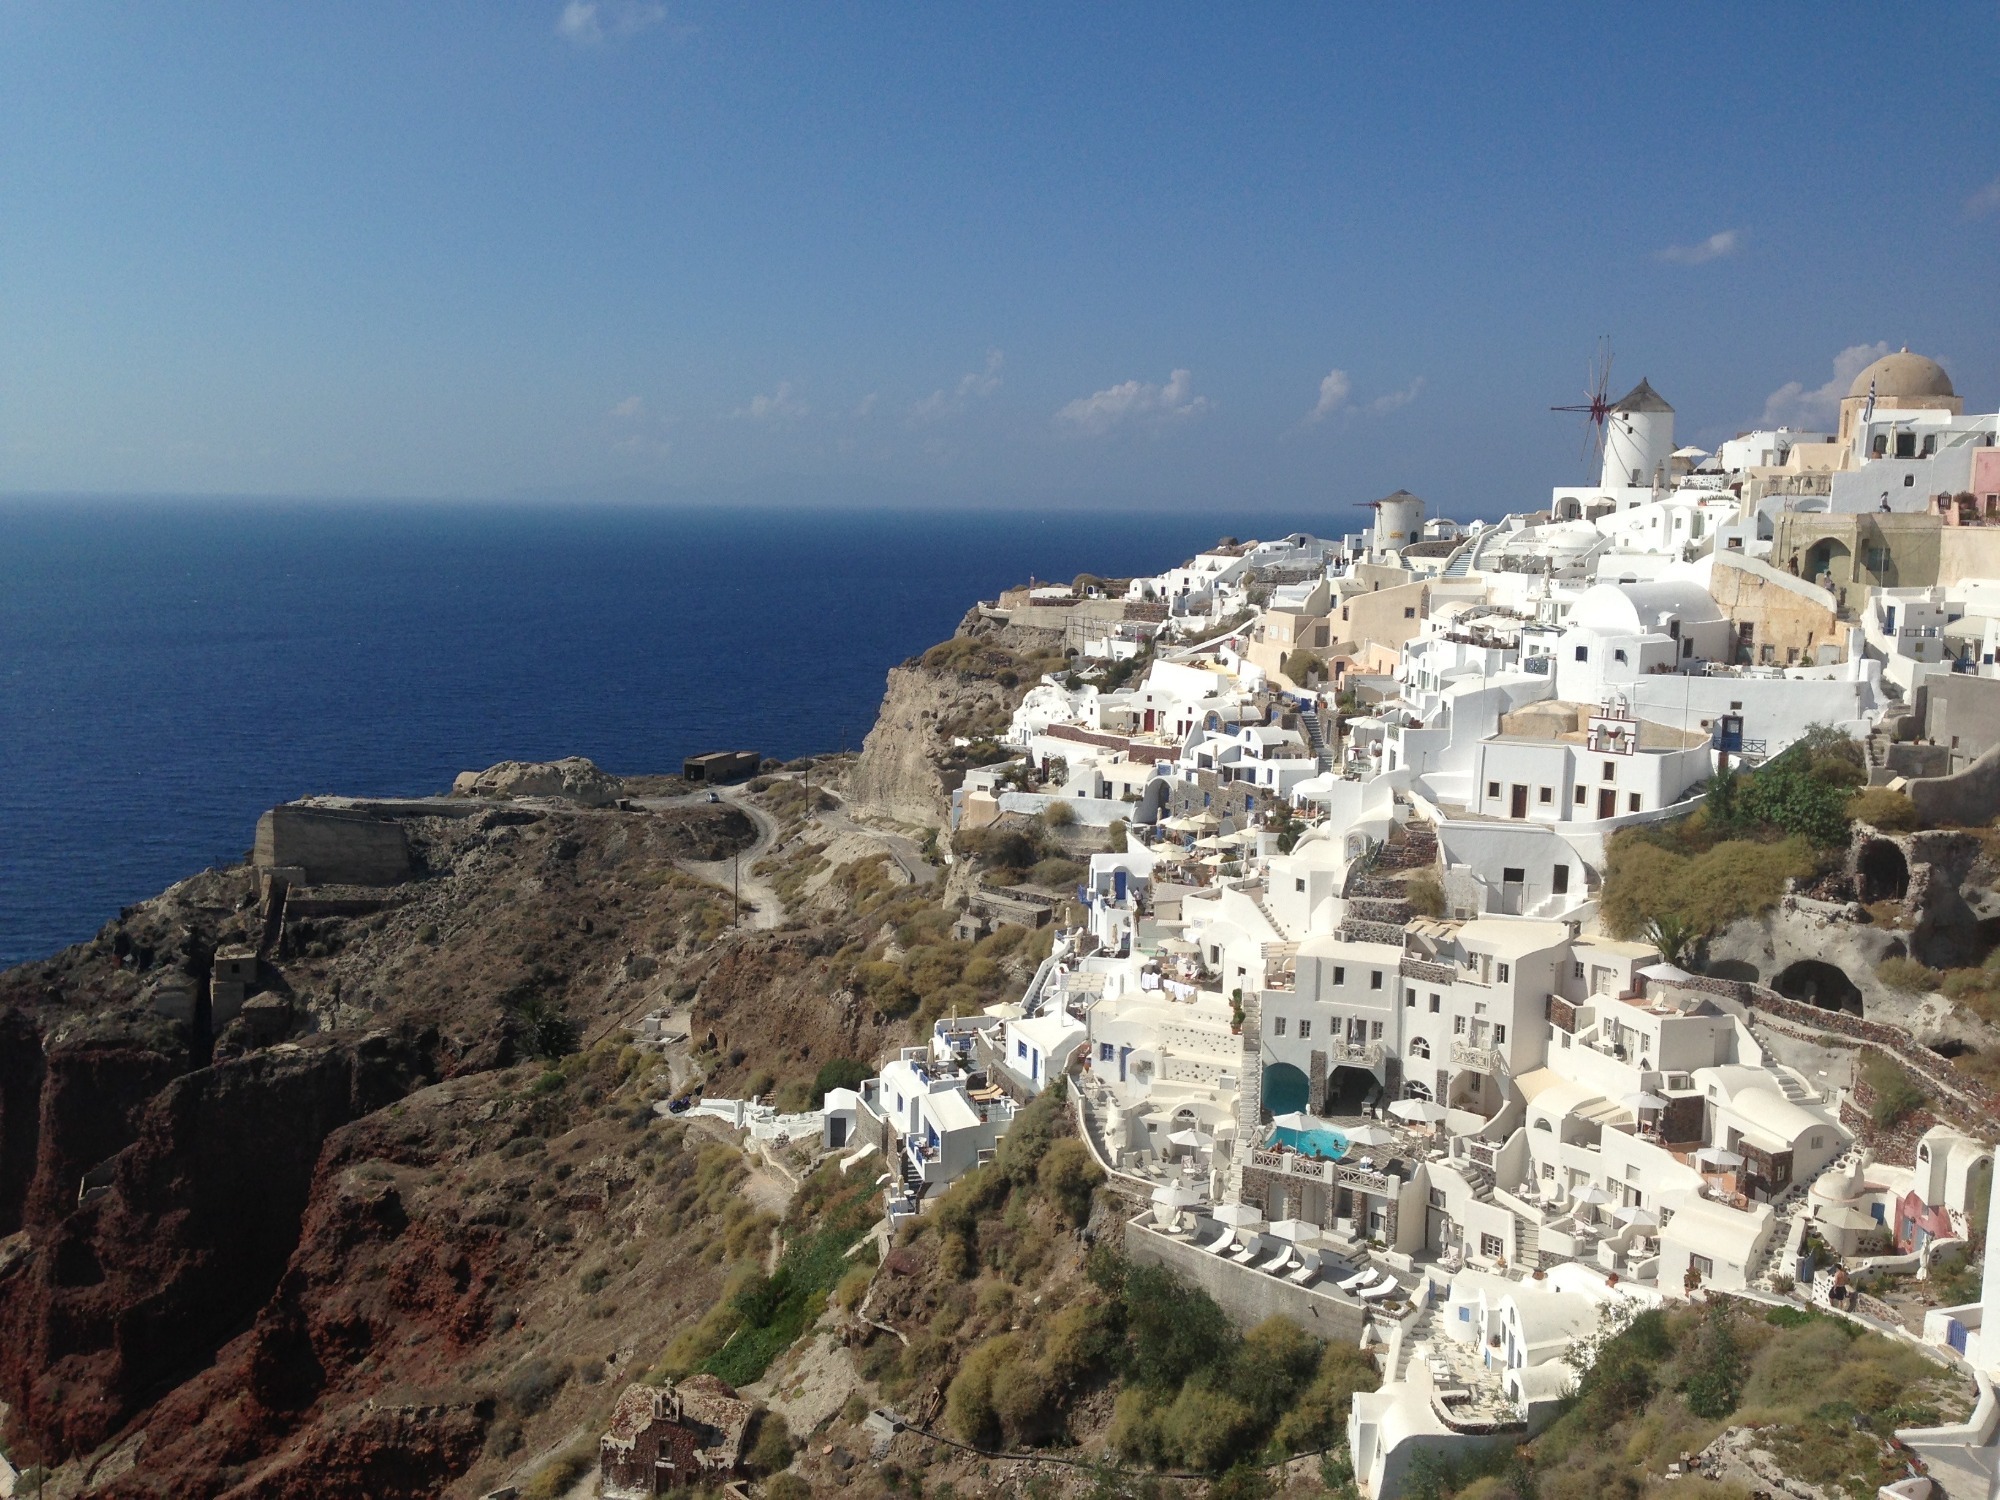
<point x="1427" y="1111"/>
<point x="1172" y="1196"/>
<point x="1370" y="1135"/>
<point x="1297" y="1120"/>
<point x="1593" y="1195"/>
<point x="1643" y="1101"/>
<point x="1192" y="1138"/>
<point x="1638" y="1218"/>
<point x="1715" y="1156"/>
<point x="1237" y="1215"/>
<point x="1298" y="1231"/>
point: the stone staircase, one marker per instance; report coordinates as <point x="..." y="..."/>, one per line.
<point x="1316" y="737"/>
<point x="1417" y="849"/>
<point x="1417" y="1332"/>
<point x="1527" y="1243"/>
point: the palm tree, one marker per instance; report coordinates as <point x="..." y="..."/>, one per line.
<point x="1675" y="939"/>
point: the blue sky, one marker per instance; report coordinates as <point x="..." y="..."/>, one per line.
<point x="1020" y="254"/>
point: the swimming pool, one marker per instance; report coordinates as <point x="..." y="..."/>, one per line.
<point x="1321" y="1140"/>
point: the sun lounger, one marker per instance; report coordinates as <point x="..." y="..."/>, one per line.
<point x="1371" y="1293"/>
<point x="1217" y="1245"/>
<point x="1358" y="1280"/>
<point x="1305" y="1275"/>
<point x="1277" y="1258"/>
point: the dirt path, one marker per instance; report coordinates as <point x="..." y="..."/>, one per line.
<point x="737" y="873"/>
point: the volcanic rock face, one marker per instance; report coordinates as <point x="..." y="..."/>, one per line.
<point x="136" y="1288"/>
<point x="320" y="1267"/>
<point x="574" y="778"/>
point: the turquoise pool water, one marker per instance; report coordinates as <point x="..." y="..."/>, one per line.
<point x="1321" y="1141"/>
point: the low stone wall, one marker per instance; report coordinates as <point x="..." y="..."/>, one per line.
<point x="1959" y="1099"/>
<point x="1971" y="797"/>
<point x="1249" y="1297"/>
<point x="333" y="846"/>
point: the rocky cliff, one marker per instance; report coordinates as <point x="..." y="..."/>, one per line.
<point x="963" y="689"/>
<point x="399" y="1227"/>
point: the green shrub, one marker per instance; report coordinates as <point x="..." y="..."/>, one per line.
<point x="787" y="1487"/>
<point x="560" y="1474"/>
<point x="968" y="1403"/>
<point x="1059" y="814"/>
<point x="839" y="1073"/>
<point x="1896" y="1093"/>
<point x="772" y="1450"/>
<point x="1908" y="976"/>
<point x="1425" y="895"/>
<point x="1650" y="874"/>
<point x="534" y="1384"/>
<point x="1067" y="1177"/>
<point x="1058" y="872"/>
<point x="1890" y="811"/>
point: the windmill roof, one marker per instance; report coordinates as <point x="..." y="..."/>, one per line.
<point x="1642" y="397"/>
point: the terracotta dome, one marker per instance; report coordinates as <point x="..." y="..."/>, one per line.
<point x="1903" y="375"/>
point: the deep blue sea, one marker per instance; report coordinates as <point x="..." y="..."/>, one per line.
<point x="170" y="669"/>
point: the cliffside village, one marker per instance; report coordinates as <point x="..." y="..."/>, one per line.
<point x="1466" y="1137"/>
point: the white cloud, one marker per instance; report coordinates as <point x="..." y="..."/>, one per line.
<point x="780" y="406"/>
<point x="1985" y="201"/>
<point x="1397" y="399"/>
<point x="631" y="406"/>
<point x="588" y="23"/>
<point x="1715" y="247"/>
<point x="973" y="386"/>
<point x="866" y="406"/>
<point x="1792" y="405"/>
<point x="1135" y="401"/>
<point x="1333" y="393"/>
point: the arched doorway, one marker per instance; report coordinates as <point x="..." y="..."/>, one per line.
<point x="1286" y="1089"/>
<point x="1882" y="872"/>
<point x="1819" y="983"/>
<point x="1349" y="1090"/>
<point x="1828" y="555"/>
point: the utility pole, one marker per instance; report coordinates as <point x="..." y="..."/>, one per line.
<point x="736" y="889"/>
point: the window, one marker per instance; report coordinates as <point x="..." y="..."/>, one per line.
<point x="1548" y="794"/>
<point x="1340" y="976"/>
<point x="1618" y="655"/>
<point x="1305" y="1030"/>
<point x="1298" y="885"/>
<point x="1489" y="1246"/>
<point x="1610" y="770"/>
<point x="1703" y="1266"/>
<point x="1434" y="1005"/>
<point x="1559" y="880"/>
<point x="1104" y="1052"/>
<point x="1419" y="1047"/>
<point x="1816" y="1142"/>
<point x="1437" y="1201"/>
<point x="1499" y="1035"/>
<point x="1503" y="973"/>
<point x="1510" y="875"/>
<point x="1277" y="1026"/>
<point x="1410" y="1000"/>
<point x="1577" y="967"/>
<point x="1583" y="653"/>
<point x="1375" y="979"/>
<point x="1492" y="788"/>
<point x="1548" y="1170"/>
<point x="1020" y="1050"/>
<point x="1409" y="614"/>
<point x="1374" y="1031"/>
<point x="1632" y="802"/>
<point x="1458" y="1025"/>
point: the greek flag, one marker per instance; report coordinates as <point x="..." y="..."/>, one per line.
<point x="1868" y="410"/>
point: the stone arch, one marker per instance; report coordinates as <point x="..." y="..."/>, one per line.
<point x="1349" y="1089"/>
<point x="1733" y="968"/>
<point x="1882" y="872"/>
<point x="1822" y="557"/>
<point x="1286" y="1090"/>
<point x="1819" y="983"/>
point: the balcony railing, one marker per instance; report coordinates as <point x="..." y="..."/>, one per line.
<point x="1479" y="1059"/>
<point x="1366" y="1053"/>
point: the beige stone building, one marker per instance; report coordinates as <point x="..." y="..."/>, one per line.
<point x="1779" y="620"/>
